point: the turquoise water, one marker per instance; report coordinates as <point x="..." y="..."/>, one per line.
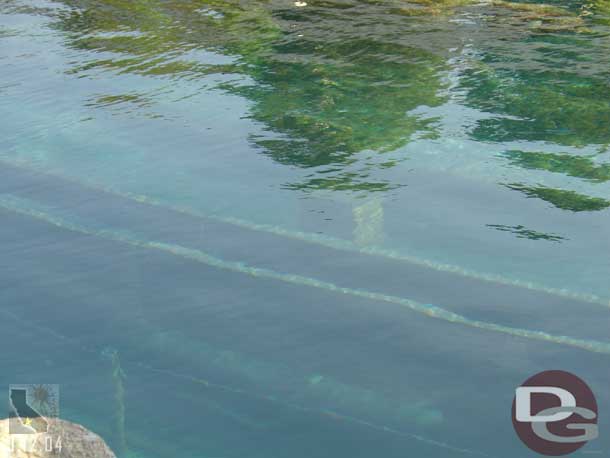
<point x="257" y="229"/>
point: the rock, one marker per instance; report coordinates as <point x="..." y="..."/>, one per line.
<point x="63" y="440"/>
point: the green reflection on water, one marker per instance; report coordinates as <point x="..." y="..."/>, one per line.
<point x="331" y="111"/>
<point x="574" y="166"/>
<point x="523" y="232"/>
<point x="327" y="100"/>
<point x="325" y="93"/>
<point x="560" y="198"/>
<point x="556" y="106"/>
<point x="336" y="92"/>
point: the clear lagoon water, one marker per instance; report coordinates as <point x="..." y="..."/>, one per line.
<point x="247" y="229"/>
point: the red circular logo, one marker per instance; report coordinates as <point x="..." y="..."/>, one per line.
<point x="555" y="413"/>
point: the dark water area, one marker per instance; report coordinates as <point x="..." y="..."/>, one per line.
<point x="304" y="229"/>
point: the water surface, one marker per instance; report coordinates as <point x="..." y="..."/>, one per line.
<point x="342" y="229"/>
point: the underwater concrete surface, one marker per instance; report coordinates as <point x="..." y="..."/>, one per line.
<point x="229" y="326"/>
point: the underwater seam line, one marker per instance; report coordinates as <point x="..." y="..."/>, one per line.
<point x="19" y="205"/>
<point x="326" y="241"/>
<point x="268" y="398"/>
<point x="326" y="412"/>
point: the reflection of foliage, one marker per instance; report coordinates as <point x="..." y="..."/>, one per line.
<point x="546" y="106"/>
<point x="343" y="182"/>
<point x="110" y="100"/>
<point x="153" y="37"/>
<point x="328" y="99"/>
<point x="325" y="83"/>
<point x="565" y="200"/>
<point x="523" y="233"/>
<point x="542" y="17"/>
<point x="351" y="104"/>
<point x="548" y="87"/>
<point x="599" y="10"/>
<point x="574" y="166"/>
